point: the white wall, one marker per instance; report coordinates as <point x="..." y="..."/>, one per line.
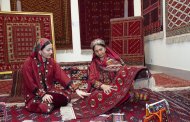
<point x="137" y="7"/>
<point x="75" y="54"/>
<point x="5" y="5"/>
<point x="158" y="52"/>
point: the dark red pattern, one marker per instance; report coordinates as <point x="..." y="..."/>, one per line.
<point x="152" y="13"/>
<point x="117" y="45"/>
<point x="127" y="39"/>
<point x="130" y="8"/>
<point x="18" y="33"/>
<point x="178" y="104"/>
<point x="168" y="81"/>
<point x="18" y="114"/>
<point x="61" y="14"/>
<point x="93" y="106"/>
<point x="5" y="87"/>
<point x="133" y="28"/>
<point x="95" y="18"/>
<point x="117" y="30"/>
<point x="184" y="93"/>
<point x="134" y="112"/>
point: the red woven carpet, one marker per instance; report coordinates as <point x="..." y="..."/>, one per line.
<point x="18" y="34"/>
<point x="152" y="13"/>
<point x="95" y="18"/>
<point x="167" y="81"/>
<point x="177" y="17"/>
<point x="5" y="87"/>
<point x="135" y="112"/>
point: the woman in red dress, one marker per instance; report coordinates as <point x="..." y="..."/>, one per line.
<point x="109" y="82"/>
<point x="39" y="73"/>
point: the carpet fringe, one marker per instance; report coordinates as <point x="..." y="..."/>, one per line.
<point x="178" y="39"/>
<point x="170" y="89"/>
<point x="15" y="104"/>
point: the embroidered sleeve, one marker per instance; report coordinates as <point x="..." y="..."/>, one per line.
<point x="97" y="84"/>
<point x="73" y="86"/>
<point x="39" y="92"/>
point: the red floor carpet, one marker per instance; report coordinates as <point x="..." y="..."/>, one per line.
<point x="167" y="81"/>
<point x="179" y="102"/>
<point x="135" y="112"/>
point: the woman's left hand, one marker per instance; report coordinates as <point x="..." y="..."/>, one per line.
<point x="81" y="93"/>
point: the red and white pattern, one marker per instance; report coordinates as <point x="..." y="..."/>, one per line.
<point x="127" y="39"/>
<point x="18" y="33"/>
<point x="152" y="13"/>
<point x="21" y="38"/>
<point x="61" y="10"/>
<point x="177" y="17"/>
<point x="99" y="102"/>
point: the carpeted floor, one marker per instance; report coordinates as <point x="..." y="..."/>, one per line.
<point x="167" y="81"/>
<point x="135" y="112"/>
<point x="184" y="93"/>
<point x="179" y="102"/>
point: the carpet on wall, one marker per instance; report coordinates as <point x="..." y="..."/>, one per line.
<point x="152" y="13"/>
<point x="134" y="111"/>
<point x="167" y="81"/>
<point x="5" y="87"/>
<point x="94" y="17"/>
<point x="127" y="39"/>
<point x="61" y="16"/>
<point x="177" y="20"/>
<point x="18" y="34"/>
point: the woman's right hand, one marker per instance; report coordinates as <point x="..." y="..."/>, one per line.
<point x="107" y="88"/>
<point x="81" y="93"/>
<point x="47" y="98"/>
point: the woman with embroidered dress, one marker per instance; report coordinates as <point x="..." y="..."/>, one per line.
<point x="104" y="66"/>
<point x="39" y="73"/>
<point x="109" y="82"/>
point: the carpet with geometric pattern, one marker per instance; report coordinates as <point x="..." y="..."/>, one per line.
<point x="134" y="111"/>
<point x="168" y="81"/>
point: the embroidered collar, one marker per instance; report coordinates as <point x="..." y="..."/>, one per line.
<point x="42" y="73"/>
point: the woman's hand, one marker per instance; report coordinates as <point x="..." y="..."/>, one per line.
<point x="47" y="98"/>
<point x="107" y="88"/>
<point x="81" y="93"/>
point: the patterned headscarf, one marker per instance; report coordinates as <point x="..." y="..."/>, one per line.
<point x="40" y="44"/>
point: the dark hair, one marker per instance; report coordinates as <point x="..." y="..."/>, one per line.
<point x="46" y="43"/>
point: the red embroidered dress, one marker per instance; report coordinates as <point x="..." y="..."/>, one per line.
<point x="109" y="71"/>
<point x="104" y="71"/>
<point x="38" y="79"/>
